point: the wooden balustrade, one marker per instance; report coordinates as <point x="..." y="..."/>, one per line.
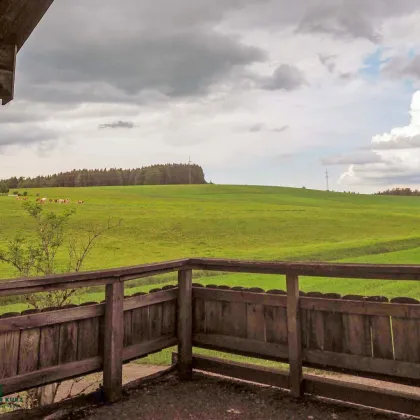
<point x="370" y="337"/>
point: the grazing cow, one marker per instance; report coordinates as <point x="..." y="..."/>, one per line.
<point x="25" y="199"/>
<point x="80" y="202"/>
<point x="17" y="198"/>
<point x="60" y="200"/>
<point x="43" y="200"/>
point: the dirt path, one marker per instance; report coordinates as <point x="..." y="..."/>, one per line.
<point x="213" y="398"/>
<point x="90" y="383"/>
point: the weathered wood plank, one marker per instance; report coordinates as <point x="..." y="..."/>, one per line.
<point x="128" y="329"/>
<point x="50" y="375"/>
<point x="358" y="271"/>
<point x="315" y="337"/>
<point x="363" y="308"/>
<point x="326" y="359"/>
<point x="169" y="317"/>
<point x="145" y="348"/>
<point x="140" y="324"/>
<point x="9" y="351"/>
<point x="49" y="344"/>
<point x="234" y="318"/>
<point x="56" y="316"/>
<point x="29" y="347"/>
<point x="242" y="296"/>
<point x="246" y="372"/>
<point x="381" y="334"/>
<point x="88" y="336"/>
<point x="369" y="396"/>
<point x="155" y="320"/>
<point x="113" y="341"/>
<point x="243" y="346"/>
<point x="89" y="278"/>
<point x="140" y="300"/>
<point x="294" y="335"/>
<point x="333" y="328"/>
<point x="213" y="313"/>
<point x="356" y="331"/>
<point x="68" y="340"/>
<point x="199" y="312"/>
<point x="185" y="324"/>
<point x="406" y="332"/>
<point x="255" y="322"/>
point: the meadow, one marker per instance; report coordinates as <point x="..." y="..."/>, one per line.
<point x="248" y="222"/>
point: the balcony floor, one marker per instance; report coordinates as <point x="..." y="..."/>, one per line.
<point x="215" y="398"/>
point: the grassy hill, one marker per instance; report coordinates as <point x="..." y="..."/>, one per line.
<point x="249" y="222"/>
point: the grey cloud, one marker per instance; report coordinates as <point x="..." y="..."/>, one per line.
<point x="260" y="127"/>
<point x="179" y="65"/>
<point x="402" y="66"/>
<point x="280" y="129"/>
<point x="359" y="158"/>
<point x="25" y="136"/>
<point x="327" y="61"/>
<point x="117" y="124"/>
<point x="344" y="20"/>
<point x="285" y="77"/>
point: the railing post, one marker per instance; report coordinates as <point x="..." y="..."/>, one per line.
<point x="294" y="335"/>
<point x="185" y="324"/>
<point x="113" y="341"/>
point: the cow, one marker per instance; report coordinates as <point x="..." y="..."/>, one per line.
<point x="80" y="202"/>
<point x="43" y="200"/>
<point x="25" y="199"/>
<point x="17" y="198"/>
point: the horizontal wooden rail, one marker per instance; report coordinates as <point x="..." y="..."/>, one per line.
<point x="103" y="277"/>
<point x="51" y="375"/>
<point x="145" y="348"/>
<point x="240" y="296"/>
<point x="51" y="317"/>
<point x="243" y="346"/>
<point x="86" y="279"/>
<point x="399" y="310"/>
<point x="360" y="271"/>
<point x="150" y="299"/>
<point x="366" y="395"/>
<point x="356" y="364"/>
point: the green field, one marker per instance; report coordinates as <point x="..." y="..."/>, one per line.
<point x="248" y="222"/>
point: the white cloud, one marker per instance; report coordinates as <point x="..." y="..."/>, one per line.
<point x="399" y="152"/>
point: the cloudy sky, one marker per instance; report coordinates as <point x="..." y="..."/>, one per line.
<point x="256" y="91"/>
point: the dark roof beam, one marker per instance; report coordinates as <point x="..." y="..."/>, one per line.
<point x="7" y="71"/>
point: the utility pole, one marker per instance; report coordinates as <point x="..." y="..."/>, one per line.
<point x="189" y="169"/>
<point x="326" y="178"/>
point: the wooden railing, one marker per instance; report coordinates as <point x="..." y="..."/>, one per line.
<point x="368" y="337"/>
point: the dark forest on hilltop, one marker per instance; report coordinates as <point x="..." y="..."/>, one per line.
<point x="400" y="191"/>
<point x="165" y="174"/>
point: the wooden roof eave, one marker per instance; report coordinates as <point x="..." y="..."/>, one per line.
<point x="18" y="19"/>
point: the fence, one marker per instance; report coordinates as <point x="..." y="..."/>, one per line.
<point x="368" y="337"/>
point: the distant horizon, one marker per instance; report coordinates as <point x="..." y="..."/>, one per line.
<point x="340" y="91"/>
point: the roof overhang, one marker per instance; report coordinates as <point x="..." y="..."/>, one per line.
<point x="18" y="18"/>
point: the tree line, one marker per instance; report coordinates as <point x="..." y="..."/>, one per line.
<point x="171" y="173"/>
<point x="400" y="191"/>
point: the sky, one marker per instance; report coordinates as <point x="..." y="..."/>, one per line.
<point x="257" y="92"/>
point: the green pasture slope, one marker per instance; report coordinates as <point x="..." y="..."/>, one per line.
<point x="249" y="222"/>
